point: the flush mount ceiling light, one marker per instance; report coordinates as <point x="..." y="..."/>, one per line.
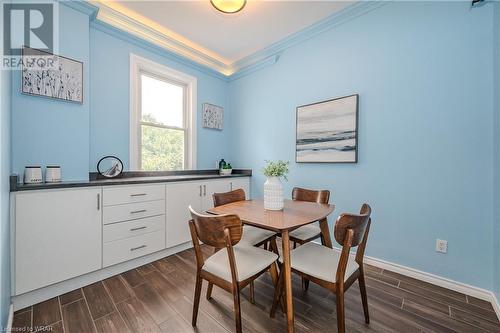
<point x="228" y="6"/>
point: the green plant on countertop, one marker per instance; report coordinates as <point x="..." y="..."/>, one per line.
<point x="276" y="169"/>
<point x="227" y="166"/>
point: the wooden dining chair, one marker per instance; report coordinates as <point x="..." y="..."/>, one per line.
<point x="334" y="269"/>
<point x="251" y="235"/>
<point x="311" y="231"/>
<point x="231" y="268"/>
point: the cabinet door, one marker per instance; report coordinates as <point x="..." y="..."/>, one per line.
<point x="178" y="198"/>
<point x="243" y="183"/>
<point x="211" y="187"/>
<point x="57" y="236"/>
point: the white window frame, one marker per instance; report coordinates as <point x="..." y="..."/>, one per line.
<point x="140" y="65"/>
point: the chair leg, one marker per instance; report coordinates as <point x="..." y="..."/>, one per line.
<point x="340" y="310"/>
<point x="278" y="291"/>
<point x="237" y="309"/>
<point x="252" y="293"/>
<point x="305" y="284"/>
<point x="209" y="290"/>
<point x="273" y="271"/>
<point x="364" y="298"/>
<point x="265" y="245"/>
<point x="196" y="303"/>
<point x="274" y="245"/>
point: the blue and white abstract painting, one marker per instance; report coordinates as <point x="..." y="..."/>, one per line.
<point x="327" y="131"/>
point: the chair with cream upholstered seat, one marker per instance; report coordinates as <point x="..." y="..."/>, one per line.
<point x="231" y="268"/>
<point x="311" y="231"/>
<point x="308" y="232"/>
<point x="251" y="235"/>
<point x="334" y="269"/>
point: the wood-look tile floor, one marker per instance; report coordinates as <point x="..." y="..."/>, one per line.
<point x="158" y="298"/>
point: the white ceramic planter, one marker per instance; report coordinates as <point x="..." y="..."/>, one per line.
<point x="273" y="194"/>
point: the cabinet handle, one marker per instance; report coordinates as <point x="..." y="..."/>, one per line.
<point x="138" y="211"/>
<point x="98" y="201"/>
<point x="200" y="190"/>
<point x="205" y="190"/>
<point x="137" y="248"/>
<point x="138" y="228"/>
<point x="231" y="186"/>
<point x="138" y="195"/>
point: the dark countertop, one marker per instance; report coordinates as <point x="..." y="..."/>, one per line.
<point x="130" y="178"/>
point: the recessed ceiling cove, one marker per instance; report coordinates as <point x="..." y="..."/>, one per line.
<point x="214" y="36"/>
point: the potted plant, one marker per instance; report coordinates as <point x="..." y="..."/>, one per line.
<point x="273" y="187"/>
<point x="226" y="169"/>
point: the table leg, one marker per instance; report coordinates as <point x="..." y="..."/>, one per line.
<point x="325" y="231"/>
<point x="287" y="271"/>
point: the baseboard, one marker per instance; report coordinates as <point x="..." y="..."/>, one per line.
<point x="496" y="304"/>
<point x="10" y="320"/>
<point x="431" y="278"/>
<point x="437" y="280"/>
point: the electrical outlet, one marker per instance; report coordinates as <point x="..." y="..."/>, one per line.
<point x="441" y="246"/>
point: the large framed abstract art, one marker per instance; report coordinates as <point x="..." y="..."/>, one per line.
<point x="327" y="132"/>
<point x="54" y="76"/>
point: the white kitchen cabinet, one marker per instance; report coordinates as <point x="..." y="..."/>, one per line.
<point x="61" y="234"/>
<point x="243" y="183"/>
<point x="133" y="247"/>
<point x="120" y="213"/>
<point x="179" y="196"/>
<point x="126" y="194"/>
<point x="58" y="236"/>
<point x="210" y="187"/>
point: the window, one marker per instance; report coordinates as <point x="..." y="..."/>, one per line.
<point x="162" y="117"/>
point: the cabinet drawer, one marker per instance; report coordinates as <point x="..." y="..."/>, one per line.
<point x="132" y="211"/>
<point x="115" y="231"/>
<point x="130" y="194"/>
<point x="133" y="247"/>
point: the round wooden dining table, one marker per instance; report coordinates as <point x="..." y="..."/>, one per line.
<point x="294" y="215"/>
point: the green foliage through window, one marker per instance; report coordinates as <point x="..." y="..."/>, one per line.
<point x="162" y="149"/>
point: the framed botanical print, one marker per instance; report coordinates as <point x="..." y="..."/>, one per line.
<point x="49" y="75"/>
<point x="213" y="116"/>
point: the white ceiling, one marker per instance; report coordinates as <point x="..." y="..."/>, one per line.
<point x="228" y="37"/>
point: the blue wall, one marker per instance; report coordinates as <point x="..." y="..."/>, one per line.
<point x="55" y="132"/>
<point x="5" y="87"/>
<point x="496" y="202"/>
<point x="109" y="110"/>
<point x="76" y="136"/>
<point x="423" y="72"/>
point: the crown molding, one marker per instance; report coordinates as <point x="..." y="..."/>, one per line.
<point x="121" y="21"/>
<point x="118" y="24"/>
<point x="83" y="7"/>
<point x="336" y="19"/>
<point x="154" y="48"/>
<point x="254" y="66"/>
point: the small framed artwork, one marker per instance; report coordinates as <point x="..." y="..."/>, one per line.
<point x="49" y="75"/>
<point x="327" y="132"/>
<point x="213" y="116"/>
